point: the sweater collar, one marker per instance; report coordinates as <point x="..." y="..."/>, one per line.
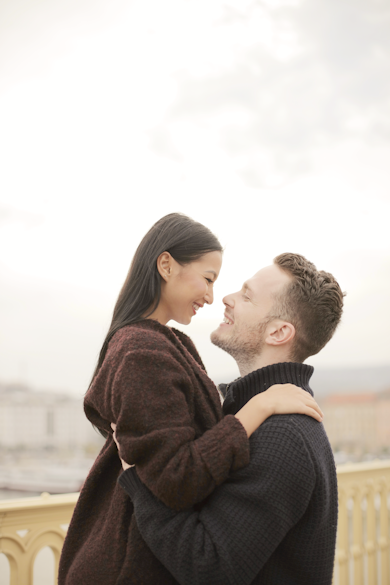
<point x="243" y="389"/>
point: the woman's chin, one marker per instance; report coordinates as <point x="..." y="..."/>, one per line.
<point x="182" y="320"/>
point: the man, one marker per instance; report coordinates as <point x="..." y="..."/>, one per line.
<point x="274" y="521"/>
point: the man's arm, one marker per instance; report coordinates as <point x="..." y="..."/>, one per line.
<point x="242" y="523"/>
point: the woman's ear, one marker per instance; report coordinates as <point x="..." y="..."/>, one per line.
<point x="164" y="265"/>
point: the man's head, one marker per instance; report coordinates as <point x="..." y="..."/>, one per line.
<point x="286" y="312"/>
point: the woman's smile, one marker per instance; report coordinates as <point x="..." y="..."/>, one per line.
<point x="196" y="307"/>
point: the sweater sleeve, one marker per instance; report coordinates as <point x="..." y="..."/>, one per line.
<point x="231" y="538"/>
<point x="155" y="431"/>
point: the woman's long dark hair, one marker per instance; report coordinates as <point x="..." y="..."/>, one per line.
<point x="186" y="240"/>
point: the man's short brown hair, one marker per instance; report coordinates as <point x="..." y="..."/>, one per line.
<point x="312" y="302"/>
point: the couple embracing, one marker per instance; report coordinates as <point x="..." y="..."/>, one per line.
<point x="202" y="493"/>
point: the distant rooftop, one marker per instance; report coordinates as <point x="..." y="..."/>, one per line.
<point x="16" y="392"/>
<point x="360" y="398"/>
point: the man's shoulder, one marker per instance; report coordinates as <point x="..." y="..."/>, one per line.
<point x="295" y="436"/>
<point x="286" y="422"/>
<point x="279" y="458"/>
<point x="280" y="430"/>
<point x="287" y="425"/>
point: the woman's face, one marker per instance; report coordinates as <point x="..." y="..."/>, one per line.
<point x="185" y="289"/>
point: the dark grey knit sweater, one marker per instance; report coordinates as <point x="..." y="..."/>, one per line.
<point x="271" y="523"/>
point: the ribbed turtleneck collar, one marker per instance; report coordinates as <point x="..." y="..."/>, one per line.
<point x="243" y="389"/>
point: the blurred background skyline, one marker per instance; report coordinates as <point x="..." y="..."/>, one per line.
<point x="268" y="121"/>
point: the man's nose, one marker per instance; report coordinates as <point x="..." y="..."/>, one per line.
<point x="229" y="300"/>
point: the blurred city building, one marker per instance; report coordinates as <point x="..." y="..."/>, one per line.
<point x="358" y="423"/>
<point x="46" y="442"/>
<point x="32" y="419"/>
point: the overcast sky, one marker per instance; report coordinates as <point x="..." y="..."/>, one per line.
<point x="268" y="121"/>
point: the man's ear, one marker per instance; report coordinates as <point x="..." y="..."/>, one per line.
<point x="280" y="333"/>
<point x="164" y="265"/>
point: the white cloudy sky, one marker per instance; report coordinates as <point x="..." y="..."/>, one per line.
<point x="269" y="121"/>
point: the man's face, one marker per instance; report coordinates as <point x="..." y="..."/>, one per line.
<point x="243" y="332"/>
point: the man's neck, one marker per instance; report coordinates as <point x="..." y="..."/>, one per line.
<point x="261" y="361"/>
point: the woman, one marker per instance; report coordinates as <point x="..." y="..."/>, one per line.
<point x="151" y="383"/>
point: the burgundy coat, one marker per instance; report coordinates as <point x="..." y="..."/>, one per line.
<point x="153" y="385"/>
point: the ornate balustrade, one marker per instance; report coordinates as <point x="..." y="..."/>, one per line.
<point x="363" y="538"/>
<point x="27" y="526"/>
<point x="363" y="545"/>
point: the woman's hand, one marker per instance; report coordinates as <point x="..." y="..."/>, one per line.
<point x="289" y="399"/>
<point x="124" y="464"/>
<point x="279" y="399"/>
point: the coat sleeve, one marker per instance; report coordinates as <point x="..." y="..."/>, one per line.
<point x="231" y="538"/>
<point x="155" y="431"/>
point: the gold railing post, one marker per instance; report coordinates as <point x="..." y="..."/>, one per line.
<point x="371" y="535"/>
<point x="384" y="534"/>
<point x="56" y="554"/>
<point x="342" y="555"/>
<point x="357" y="532"/>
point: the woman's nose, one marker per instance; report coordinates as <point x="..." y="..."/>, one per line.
<point x="209" y="296"/>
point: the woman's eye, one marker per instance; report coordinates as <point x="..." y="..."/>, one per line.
<point x="209" y="281"/>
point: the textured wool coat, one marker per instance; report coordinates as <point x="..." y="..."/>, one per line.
<point x="170" y="424"/>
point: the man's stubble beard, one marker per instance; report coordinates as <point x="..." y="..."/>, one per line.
<point x="245" y="345"/>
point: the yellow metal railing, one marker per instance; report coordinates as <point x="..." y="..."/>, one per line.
<point x="363" y="541"/>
